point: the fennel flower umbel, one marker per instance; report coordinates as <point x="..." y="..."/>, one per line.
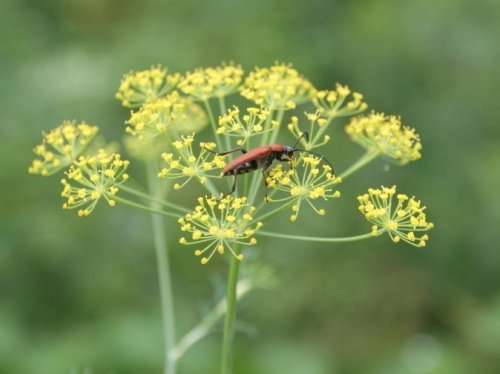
<point x="404" y="219"/>
<point x="92" y="178"/>
<point x="219" y="225"/>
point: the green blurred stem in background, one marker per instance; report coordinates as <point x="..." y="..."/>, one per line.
<point x="364" y="160"/>
<point x="205" y="325"/>
<point x="165" y="284"/>
<point x="320" y="239"/>
<point x="231" y="298"/>
<point x="155" y="210"/>
<point x="211" y="118"/>
<point x="149" y="198"/>
<point x="222" y="109"/>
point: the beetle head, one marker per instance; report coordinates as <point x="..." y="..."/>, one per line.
<point x="287" y="154"/>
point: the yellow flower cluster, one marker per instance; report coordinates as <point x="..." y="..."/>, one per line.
<point x="385" y="135"/>
<point x="332" y="103"/>
<point x="205" y="83"/>
<point x="171" y="113"/>
<point x="137" y="88"/>
<point x="277" y="87"/>
<point x="61" y="147"/>
<point x="218" y="225"/>
<point x="255" y="122"/>
<point x="168" y="112"/>
<point x="317" y="126"/>
<point x="188" y="166"/>
<point x="96" y="177"/>
<point x="405" y="220"/>
<point x="309" y="180"/>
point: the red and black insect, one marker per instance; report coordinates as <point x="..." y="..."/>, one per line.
<point x="262" y="158"/>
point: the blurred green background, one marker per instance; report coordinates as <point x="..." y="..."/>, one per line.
<point x="81" y="294"/>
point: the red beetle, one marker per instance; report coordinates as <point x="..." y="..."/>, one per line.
<point x="262" y="158"/>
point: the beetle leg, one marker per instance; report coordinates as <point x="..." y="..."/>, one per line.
<point x="264" y="176"/>
<point x="242" y="150"/>
<point x="233" y="188"/>
<point x="265" y="185"/>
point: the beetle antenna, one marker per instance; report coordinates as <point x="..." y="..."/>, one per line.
<point x="317" y="155"/>
<point x="304" y="135"/>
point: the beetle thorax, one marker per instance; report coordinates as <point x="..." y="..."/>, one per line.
<point x="283" y="152"/>
<point x="278" y="148"/>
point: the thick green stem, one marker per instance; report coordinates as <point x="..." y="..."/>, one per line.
<point x="211" y="118"/>
<point x="222" y="112"/>
<point x="362" y="161"/>
<point x="231" y="298"/>
<point x="320" y="239"/>
<point x="222" y="105"/>
<point x="165" y="284"/>
<point x="279" y="119"/>
<point x="203" y="327"/>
